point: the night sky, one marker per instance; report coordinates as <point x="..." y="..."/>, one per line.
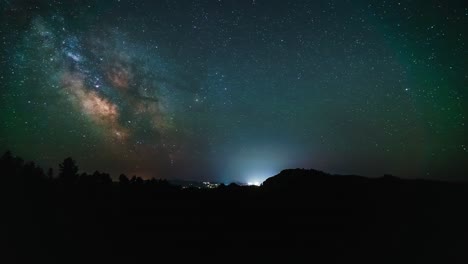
<point x="237" y="90"/>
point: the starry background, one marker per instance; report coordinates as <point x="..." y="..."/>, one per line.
<point x="237" y="90"/>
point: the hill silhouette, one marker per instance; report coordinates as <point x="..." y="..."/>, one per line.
<point x="304" y="215"/>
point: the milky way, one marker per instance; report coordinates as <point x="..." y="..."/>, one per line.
<point x="111" y="84"/>
<point x="236" y="90"/>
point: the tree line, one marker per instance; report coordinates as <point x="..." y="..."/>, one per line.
<point x="15" y="168"/>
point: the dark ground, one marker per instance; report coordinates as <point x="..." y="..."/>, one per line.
<point x="298" y="216"/>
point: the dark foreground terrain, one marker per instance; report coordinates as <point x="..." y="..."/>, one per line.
<point x="298" y="216"/>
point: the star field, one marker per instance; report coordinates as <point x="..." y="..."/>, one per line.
<point x="237" y="90"/>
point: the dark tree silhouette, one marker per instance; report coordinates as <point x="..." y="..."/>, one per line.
<point x="68" y="170"/>
<point x="11" y="165"/>
<point x="136" y="180"/>
<point x="50" y="173"/>
<point x="104" y="179"/>
<point x="123" y="179"/>
<point x="7" y="156"/>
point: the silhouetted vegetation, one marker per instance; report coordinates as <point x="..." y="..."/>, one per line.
<point x="306" y="214"/>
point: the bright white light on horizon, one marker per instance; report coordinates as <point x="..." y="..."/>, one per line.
<point x="257" y="178"/>
<point x="255" y="183"/>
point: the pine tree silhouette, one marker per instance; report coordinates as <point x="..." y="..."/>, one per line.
<point x="68" y="170"/>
